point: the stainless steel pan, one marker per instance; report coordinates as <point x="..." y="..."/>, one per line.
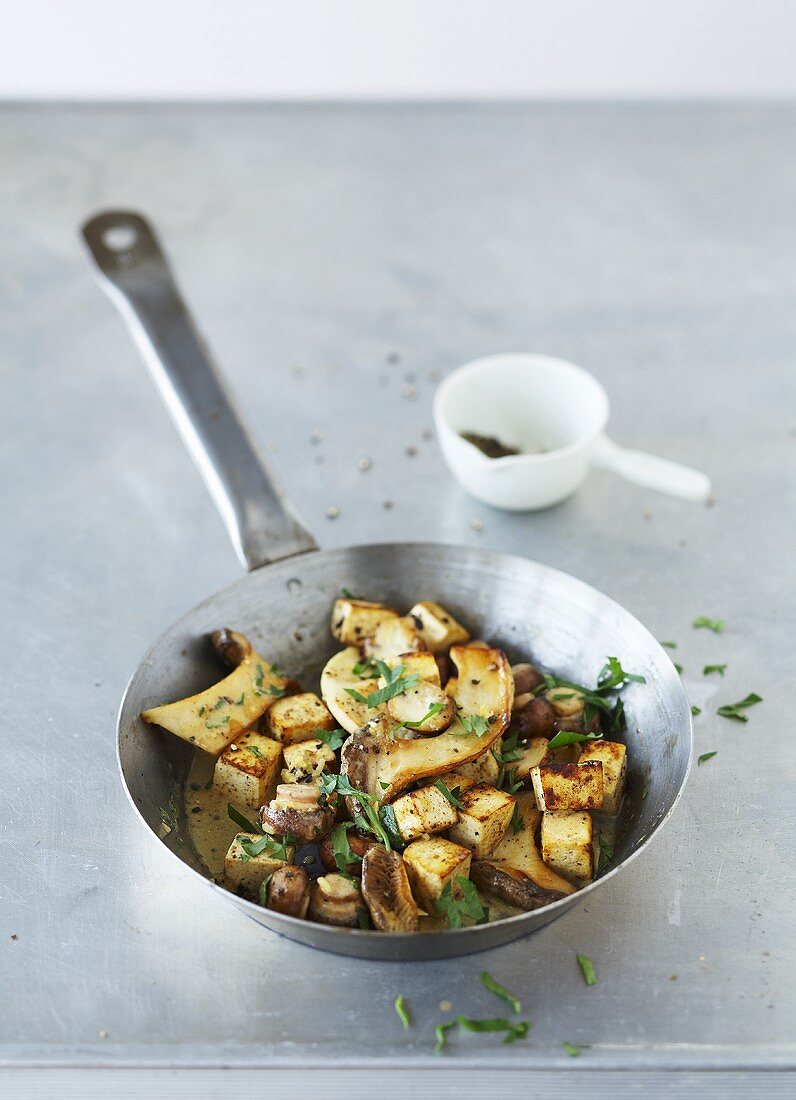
<point x="284" y="603"/>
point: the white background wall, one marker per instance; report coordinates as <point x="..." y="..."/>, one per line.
<point x="121" y="49"/>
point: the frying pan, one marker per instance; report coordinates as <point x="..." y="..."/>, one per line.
<point x="284" y="602"/>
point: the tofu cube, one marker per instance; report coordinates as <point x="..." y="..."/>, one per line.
<point x="248" y="771"/>
<point x="483" y="819"/>
<point x="437" y="627"/>
<point x="531" y="756"/>
<point x="298" y="718"/>
<point x="243" y="873"/>
<point x="568" y="844"/>
<point x="355" y="620"/>
<point x="568" y="786"/>
<point x="392" y="637"/>
<point x="422" y="663"/>
<point x="613" y="757"/>
<point x="305" y="761"/>
<point x="423" y="812"/>
<point x="484" y="769"/>
<point x="431" y="865"/>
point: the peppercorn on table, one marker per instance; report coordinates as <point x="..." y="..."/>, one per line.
<point x="341" y="261"/>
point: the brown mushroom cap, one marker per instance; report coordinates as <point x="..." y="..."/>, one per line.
<point x="289" y="891"/>
<point x="526" y="678"/>
<point x="231" y="646"/>
<point x="385" y="887"/>
<point x="537" y="719"/>
<point x="305" y="825"/>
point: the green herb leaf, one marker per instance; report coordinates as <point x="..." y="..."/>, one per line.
<point x="262" y="893"/>
<point x="677" y="668"/>
<point x="734" y="710"/>
<point x="349" y="595"/>
<point x="241" y="821"/>
<point x="344" y="857"/>
<point x="706" y="756"/>
<point x="706" y="671"/>
<point x="452" y="796"/>
<point x="255" y="751"/>
<point x="278" y="692"/>
<point x="669" y="645"/>
<point x="365" y="669"/>
<point x="645" y="792"/>
<point x="574" y="1049"/>
<point x="513" y="1031"/>
<point x="612" y="676"/>
<point x="395" y="683"/>
<point x="696" y="710"/>
<point x="704" y="623"/>
<point x="517" y="823"/>
<point x="274" y="848"/>
<point x="500" y="991"/>
<point x="400" y="1008"/>
<point x="369" y="819"/>
<point x="587" y="969"/>
<point x="606" y="853"/>
<point x="439" y="1031"/>
<point x="473" y="724"/>
<point x="217" y="725"/>
<point x="570" y="737"/>
<point x="455" y="908"/>
<point x="333" y="738"/>
<point x="390" y="826"/>
<point x="435" y="708"/>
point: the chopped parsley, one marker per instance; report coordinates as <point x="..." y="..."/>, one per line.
<point x="587" y="969"/>
<point x="735" y="710"/>
<point x="474" y="724"/>
<point x="365" y="669"/>
<point x="570" y="737"/>
<point x="274" y="848"/>
<point x="469" y="905"/>
<point x="253" y="749"/>
<point x="702" y="622"/>
<point x="277" y="691"/>
<point x="613" y="677"/>
<point x="439" y="1031"/>
<point x="435" y="708"/>
<point x="344" y="857"/>
<point x="400" y="1008"/>
<point x="706" y="756"/>
<point x="333" y="738"/>
<point x="452" y="796"/>
<point x="241" y="821"/>
<point x="217" y="725"/>
<point x="380" y="822"/>
<point x="517" y="823"/>
<point x="262" y="893"/>
<point x="574" y="1049"/>
<point x="518" y="1030"/>
<point x="706" y="671"/>
<point x="395" y="683"/>
<point x="677" y="668"/>
<point x="500" y="991"/>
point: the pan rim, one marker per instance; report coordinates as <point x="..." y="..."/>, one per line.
<point x="554" y="909"/>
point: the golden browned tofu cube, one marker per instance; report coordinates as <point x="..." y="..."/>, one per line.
<point x="423" y="812"/>
<point x="305" y="761"/>
<point x="613" y="757"/>
<point x="355" y="620"/>
<point x="298" y="718"/>
<point x="568" y="844"/>
<point x="568" y="786"/>
<point x="431" y="865"/>
<point x="484" y="816"/>
<point x="531" y="756"/>
<point x="437" y="627"/>
<point x="392" y="637"/>
<point x="248" y="771"/>
<point x="244" y="873"/>
<point x="422" y="664"/>
<point x="484" y="769"/>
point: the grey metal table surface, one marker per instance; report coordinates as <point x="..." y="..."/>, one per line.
<point x="341" y="260"/>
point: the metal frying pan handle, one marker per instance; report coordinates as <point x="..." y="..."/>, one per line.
<point x="133" y="272"/>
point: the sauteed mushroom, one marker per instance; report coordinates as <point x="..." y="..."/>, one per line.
<point x="296" y="811"/>
<point x="385" y="887"/>
<point x="335" y="899"/>
<point x="289" y="891"/>
<point x="231" y="646"/>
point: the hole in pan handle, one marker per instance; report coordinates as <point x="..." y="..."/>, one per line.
<point x="135" y="275"/>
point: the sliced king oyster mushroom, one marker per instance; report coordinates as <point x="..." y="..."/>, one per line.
<point x="386" y="889"/>
<point x="483" y="692"/>
<point x="337" y="676"/>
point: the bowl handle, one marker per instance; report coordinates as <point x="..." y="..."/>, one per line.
<point x="650" y="471"/>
